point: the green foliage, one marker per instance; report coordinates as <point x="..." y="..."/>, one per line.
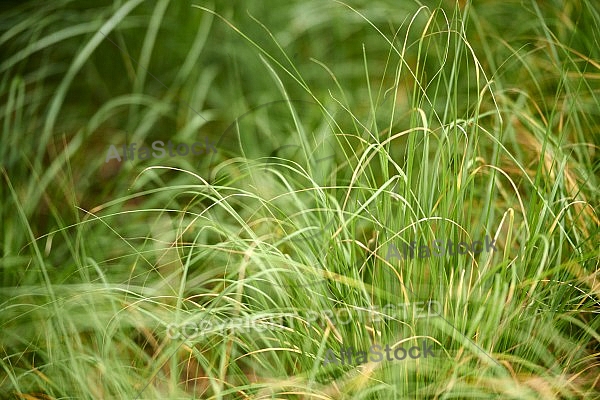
<point x="342" y="129"/>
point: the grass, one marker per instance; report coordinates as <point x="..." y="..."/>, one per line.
<point x="342" y="129"/>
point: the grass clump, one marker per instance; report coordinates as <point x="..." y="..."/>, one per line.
<point x="342" y="130"/>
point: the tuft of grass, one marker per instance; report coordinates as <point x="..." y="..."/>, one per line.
<point x="343" y="129"/>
